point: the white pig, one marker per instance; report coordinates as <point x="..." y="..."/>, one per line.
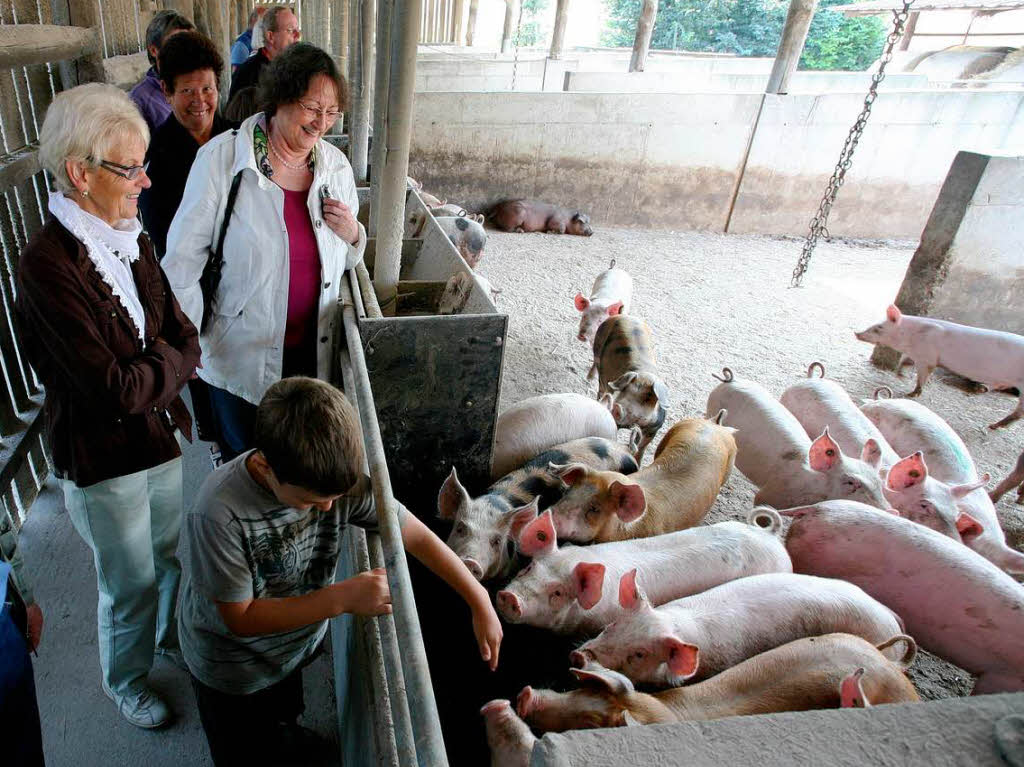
<point x="468" y="237"/>
<point x="534" y="425"/>
<point x="699" y="636"/>
<point x="990" y="357"/>
<point x="508" y="736"/>
<point x="909" y="425"/>
<point x="819" y="403"/>
<point x="611" y="295"/>
<point x="955" y="603"/>
<point x="574" y="589"/>
<point x="777" y="456"/>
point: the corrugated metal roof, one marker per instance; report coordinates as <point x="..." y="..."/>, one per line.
<point x="873" y="7"/>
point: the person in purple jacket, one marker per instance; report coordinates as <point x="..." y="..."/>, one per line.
<point x="147" y="94"/>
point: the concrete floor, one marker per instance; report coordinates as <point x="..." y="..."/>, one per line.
<point x="81" y="727"/>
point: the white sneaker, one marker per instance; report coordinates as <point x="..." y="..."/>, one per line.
<point x="140" y="706"/>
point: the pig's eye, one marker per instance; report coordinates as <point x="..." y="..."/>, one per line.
<point x="496" y="541"/>
<point x="460" y="529"/>
<point x="638" y="656"/>
<point x="557" y="593"/>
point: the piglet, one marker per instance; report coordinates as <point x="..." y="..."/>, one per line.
<point x="509" y="738"/>
<point x="628" y="381"/>
<point x="909" y="425"/>
<point x="1014" y="479"/>
<point x="484" y="528"/>
<point x="955" y="603"/>
<point x="699" y="636"/>
<point x="611" y="295"/>
<point x="777" y="456"/>
<point x="467" y="235"/>
<point x="675" y="491"/>
<point x="801" y="675"/>
<point x="574" y="589"/>
<point x="451" y="209"/>
<point x="536" y="424"/>
<point x="991" y="357"/>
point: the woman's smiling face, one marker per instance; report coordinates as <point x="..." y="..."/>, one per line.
<point x="300" y="124"/>
<point x="194" y="100"/>
<point x="111" y="196"/>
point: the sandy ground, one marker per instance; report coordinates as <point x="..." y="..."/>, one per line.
<point x="714" y="300"/>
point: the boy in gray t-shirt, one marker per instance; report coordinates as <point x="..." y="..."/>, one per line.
<point x="263" y="547"/>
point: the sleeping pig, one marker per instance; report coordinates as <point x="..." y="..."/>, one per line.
<point x="537" y="216"/>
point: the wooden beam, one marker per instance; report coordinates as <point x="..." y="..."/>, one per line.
<point x="644" y="30"/>
<point x="23" y="45"/>
<point x="558" y="34"/>
<point x="18" y="166"/>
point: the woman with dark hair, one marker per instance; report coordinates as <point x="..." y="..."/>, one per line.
<point x="290" y="236"/>
<point x="190" y="69"/>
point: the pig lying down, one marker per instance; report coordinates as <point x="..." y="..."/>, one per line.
<point x="485" y="528"/>
<point x="574" y="589"/>
<point x="699" y="636"/>
<point x="778" y="457"/>
<point x="628" y="381"/>
<point x="802" y="675"/>
<point x="675" y="491"/>
<point x="990" y="357"/>
<point x="910" y="425"/>
<point x="955" y="603"/>
<point x="611" y="295"/>
<point x="536" y="424"/>
<point x="537" y="216"/>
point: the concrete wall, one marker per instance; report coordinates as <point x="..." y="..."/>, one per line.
<point x="673" y="161"/>
<point x="704" y="80"/>
<point x="984" y="277"/>
<point x="489" y="74"/>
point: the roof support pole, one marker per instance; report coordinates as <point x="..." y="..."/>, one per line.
<point x="558" y="35"/>
<point x="471" y="21"/>
<point x="791" y="46"/>
<point x="644" y="30"/>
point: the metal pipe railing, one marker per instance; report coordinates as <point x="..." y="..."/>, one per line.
<point x="426" y="726"/>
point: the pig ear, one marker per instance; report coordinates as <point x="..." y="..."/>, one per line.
<point x="851" y="695"/>
<point x="589" y="577"/>
<point x="893" y="314"/>
<point x="615" y="309"/>
<point x="968" y="527"/>
<point x="682" y="658"/>
<point x="630" y="501"/>
<point x="629" y="720"/>
<point x="824" y="454"/>
<point x="871" y="454"/>
<point x="538" y="538"/>
<point x="959" y="491"/>
<point x="907" y="472"/>
<point x="582" y="302"/>
<point x="636" y="436"/>
<point x="661" y="392"/>
<point x="596" y="675"/>
<point x="569" y="473"/>
<point x="607" y="401"/>
<point x="519" y="518"/>
<point x="631" y="596"/>
<point x="452" y="497"/>
<point x="622" y="381"/>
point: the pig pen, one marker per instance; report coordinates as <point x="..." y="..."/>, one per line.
<point x="715" y="300"/>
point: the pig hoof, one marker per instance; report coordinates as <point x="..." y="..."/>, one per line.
<point x="915" y="393"/>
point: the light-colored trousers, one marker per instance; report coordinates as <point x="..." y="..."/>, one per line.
<point x="131" y="523"/>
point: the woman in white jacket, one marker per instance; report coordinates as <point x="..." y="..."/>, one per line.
<point x="291" y="235"/>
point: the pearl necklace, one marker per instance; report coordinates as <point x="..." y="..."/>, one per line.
<point x="300" y="166"/>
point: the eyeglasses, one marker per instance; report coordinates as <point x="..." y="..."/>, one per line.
<point x="130" y="172"/>
<point x="328" y="114"/>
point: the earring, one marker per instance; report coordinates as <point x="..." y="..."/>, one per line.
<point x="85" y="193"/>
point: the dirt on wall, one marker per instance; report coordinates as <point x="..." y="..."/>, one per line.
<point x="714" y="300"/>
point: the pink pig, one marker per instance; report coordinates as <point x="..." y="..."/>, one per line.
<point x="508" y="736"/>
<point x="954" y="602"/>
<point x="990" y="357"/>
<point x="611" y="295"/>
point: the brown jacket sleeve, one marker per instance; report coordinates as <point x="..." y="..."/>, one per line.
<point x="55" y="303"/>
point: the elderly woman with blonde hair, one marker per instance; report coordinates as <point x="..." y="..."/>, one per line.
<point x="106" y="336"/>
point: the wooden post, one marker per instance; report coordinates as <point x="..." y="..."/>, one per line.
<point x="185" y="7"/>
<point x="471" y="21"/>
<point x="359" y="127"/>
<point x="511" y="16"/>
<point x="211" y="19"/>
<point x="791" y="46"/>
<point x="381" y="88"/>
<point x="460" y="28"/>
<point x="558" y="35"/>
<point x="908" y="30"/>
<point x="85" y="13"/>
<point x="22" y="45"/>
<point x="642" y="41"/>
<point x="388" y="259"/>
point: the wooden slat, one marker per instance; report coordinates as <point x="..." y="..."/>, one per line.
<point x="18" y="166"/>
<point x="14" y="448"/>
<point x="25" y="44"/>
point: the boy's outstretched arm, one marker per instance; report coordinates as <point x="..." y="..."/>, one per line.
<point x="421" y="542"/>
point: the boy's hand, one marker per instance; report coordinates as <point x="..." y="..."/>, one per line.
<point x="488" y="632"/>
<point x="365" y="594"/>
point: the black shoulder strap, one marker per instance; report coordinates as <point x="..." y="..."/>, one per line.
<point x="232" y="194"/>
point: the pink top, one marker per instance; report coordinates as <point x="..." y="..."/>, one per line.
<point x="304" y="273"/>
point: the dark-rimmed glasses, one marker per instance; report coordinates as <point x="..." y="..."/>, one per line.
<point x="130" y="172"/>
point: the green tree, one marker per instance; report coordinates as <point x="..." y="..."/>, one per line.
<point x="530" y="31"/>
<point x="749" y="28"/>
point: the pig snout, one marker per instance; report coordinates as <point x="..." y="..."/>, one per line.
<point x="509" y="606"/>
<point x="474" y="567"/>
<point x="526" y="702"/>
<point x="579" y="658"/>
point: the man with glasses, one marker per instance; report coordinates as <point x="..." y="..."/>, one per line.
<point x="280" y="29"/>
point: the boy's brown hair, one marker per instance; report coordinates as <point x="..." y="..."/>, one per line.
<point x="309" y="433"/>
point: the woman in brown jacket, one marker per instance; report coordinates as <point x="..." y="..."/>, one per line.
<point x="103" y="331"/>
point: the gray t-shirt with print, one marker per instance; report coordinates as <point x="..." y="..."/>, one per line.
<point x="244" y="544"/>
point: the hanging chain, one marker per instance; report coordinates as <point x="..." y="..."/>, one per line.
<point x="819" y="223"/>
<point x="519" y="32"/>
